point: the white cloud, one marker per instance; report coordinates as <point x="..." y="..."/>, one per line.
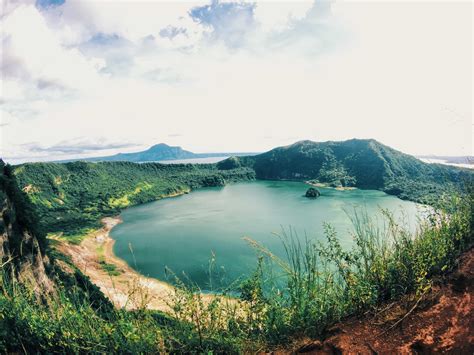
<point x="133" y="21"/>
<point x="291" y="78"/>
<point x="279" y="15"/>
<point x="6" y="118"/>
<point x="11" y="5"/>
<point x="32" y="49"/>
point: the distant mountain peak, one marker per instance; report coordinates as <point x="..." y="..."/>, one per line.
<point x="352" y="140"/>
<point x="164" y="147"/>
<point x="160" y="152"/>
<point x="161" y="145"/>
<point x="303" y="142"/>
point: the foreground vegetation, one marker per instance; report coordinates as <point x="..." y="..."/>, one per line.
<point x="315" y="286"/>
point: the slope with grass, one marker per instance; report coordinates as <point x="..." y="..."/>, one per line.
<point x="324" y="285"/>
<point x="439" y="323"/>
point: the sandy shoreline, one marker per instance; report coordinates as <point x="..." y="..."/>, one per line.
<point x="128" y="289"/>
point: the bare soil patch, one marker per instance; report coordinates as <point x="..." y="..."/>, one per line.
<point x="442" y="323"/>
<point x="127" y="288"/>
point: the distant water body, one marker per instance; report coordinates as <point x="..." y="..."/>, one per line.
<point x="210" y="160"/>
<point x="183" y="233"/>
<point x="468" y="165"/>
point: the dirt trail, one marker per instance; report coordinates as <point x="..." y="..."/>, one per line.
<point x="444" y="324"/>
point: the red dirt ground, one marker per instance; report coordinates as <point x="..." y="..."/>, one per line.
<point x="442" y="324"/>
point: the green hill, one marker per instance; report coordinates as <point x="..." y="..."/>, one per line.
<point x="47" y="305"/>
<point x="365" y="164"/>
<point x="72" y="197"/>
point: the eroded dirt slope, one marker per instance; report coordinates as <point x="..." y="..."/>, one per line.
<point x="442" y="324"/>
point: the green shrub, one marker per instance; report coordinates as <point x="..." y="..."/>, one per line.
<point x="324" y="282"/>
<point x="301" y="295"/>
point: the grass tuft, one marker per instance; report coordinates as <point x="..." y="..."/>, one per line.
<point x="300" y="295"/>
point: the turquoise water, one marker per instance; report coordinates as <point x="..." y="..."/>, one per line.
<point x="182" y="233"/>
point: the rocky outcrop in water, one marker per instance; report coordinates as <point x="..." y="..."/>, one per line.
<point x="312" y="193"/>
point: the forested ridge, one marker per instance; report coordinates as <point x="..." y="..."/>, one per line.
<point x="362" y="163"/>
<point x="72" y="197"/>
<point x="323" y="283"/>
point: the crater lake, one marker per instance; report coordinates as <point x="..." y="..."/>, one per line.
<point x="180" y="236"/>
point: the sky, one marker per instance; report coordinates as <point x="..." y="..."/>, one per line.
<point x="93" y="78"/>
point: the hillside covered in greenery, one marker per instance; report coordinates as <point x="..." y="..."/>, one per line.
<point x="72" y="197"/>
<point x="361" y="163"/>
<point x="48" y="306"/>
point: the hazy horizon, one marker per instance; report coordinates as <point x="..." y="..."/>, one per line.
<point x="83" y="79"/>
<point x="426" y="158"/>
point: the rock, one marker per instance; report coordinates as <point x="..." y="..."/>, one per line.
<point x="312" y="193"/>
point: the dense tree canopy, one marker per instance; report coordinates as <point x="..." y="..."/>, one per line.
<point x="366" y="164"/>
<point x="73" y="196"/>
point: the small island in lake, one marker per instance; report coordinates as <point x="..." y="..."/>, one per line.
<point x="312" y="193"/>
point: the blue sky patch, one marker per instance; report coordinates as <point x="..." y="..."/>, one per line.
<point x="230" y="21"/>
<point x="42" y="4"/>
<point x="216" y="14"/>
